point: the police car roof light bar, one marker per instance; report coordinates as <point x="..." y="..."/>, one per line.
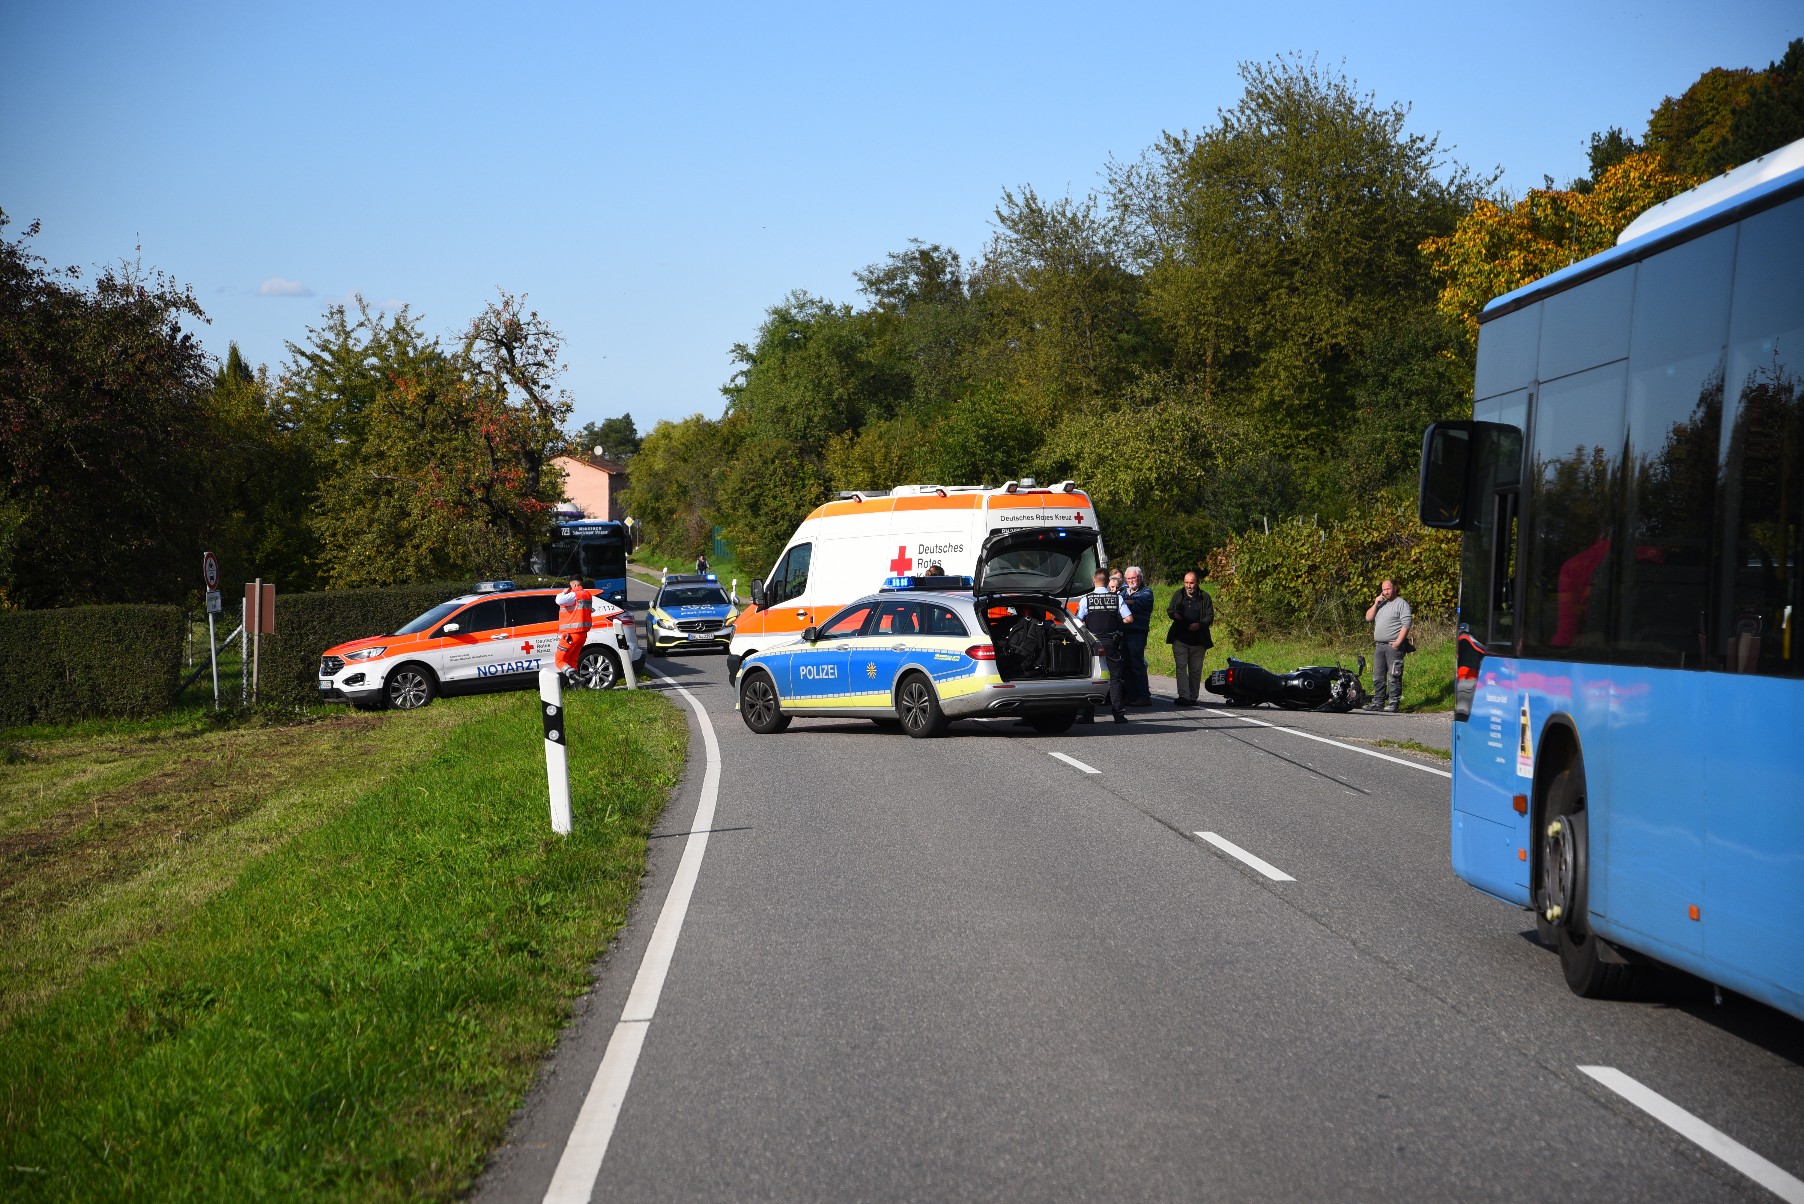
<point x="943" y="582"/>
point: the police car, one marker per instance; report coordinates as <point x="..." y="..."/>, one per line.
<point x="482" y="641"/>
<point x="690" y="611"/>
<point x="927" y="650"/>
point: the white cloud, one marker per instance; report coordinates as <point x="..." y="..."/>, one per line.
<point x="277" y="286"/>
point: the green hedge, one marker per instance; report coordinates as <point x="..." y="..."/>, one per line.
<point x="1301" y="576"/>
<point x="308" y="624"/>
<point x="79" y="662"/>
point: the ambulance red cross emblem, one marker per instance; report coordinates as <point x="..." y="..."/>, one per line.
<point x="902" y="563"/>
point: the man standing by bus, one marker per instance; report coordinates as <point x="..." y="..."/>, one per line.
<point x="575" y="615"/>
<point x="1389" y="616"/>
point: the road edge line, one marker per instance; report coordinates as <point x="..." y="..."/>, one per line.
<point x="1370" y="752"/>
<point x="1776" y="1179"/>
<point x="580" y="1164"/>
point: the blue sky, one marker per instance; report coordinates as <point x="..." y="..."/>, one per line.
<point x="654" y="178"/>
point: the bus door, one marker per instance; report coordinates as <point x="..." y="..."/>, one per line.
<point x="1471" y="482"/>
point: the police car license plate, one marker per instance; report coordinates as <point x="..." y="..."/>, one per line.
<point x="699" y="635"/>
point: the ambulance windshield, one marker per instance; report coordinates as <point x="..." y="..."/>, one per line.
<point x="430" y="619"/>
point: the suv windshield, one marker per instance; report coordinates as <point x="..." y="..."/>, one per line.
<point x="693" y="595"/>
<point x="430" y="618"/>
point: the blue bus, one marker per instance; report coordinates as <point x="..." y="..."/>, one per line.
<point x="1628" y="736"/>
<point x="594" y="549"/>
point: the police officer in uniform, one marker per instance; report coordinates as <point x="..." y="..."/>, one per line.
<point x="1107" y="616"/>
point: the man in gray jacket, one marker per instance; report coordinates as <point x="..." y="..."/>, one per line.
<point x="1389" y="617"/>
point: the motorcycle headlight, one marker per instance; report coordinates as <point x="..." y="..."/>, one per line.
<point x="365" y="654"/>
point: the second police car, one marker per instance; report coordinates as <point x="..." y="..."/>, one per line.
<point x="482" y="641"/>
<point x="690" y="610"/>
<point x="926" y="651"/>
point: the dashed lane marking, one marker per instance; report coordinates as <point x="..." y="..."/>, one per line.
<point x="1368" y="752"/>
<point x="1073" y="762"/>
<point x="1259" y="863"/>
<point x="580" y="1164"/>
<point x="1781" y="1183"/>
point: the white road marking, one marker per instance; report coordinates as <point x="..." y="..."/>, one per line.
<point x="577" y="1169"/>
<point x="1259" y="863"/>
<point x="1786" y="1186"/>
<point x="1073" y="762"/>
<point x="1370" y="752"/>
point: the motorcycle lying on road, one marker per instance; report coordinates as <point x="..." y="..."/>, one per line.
<point x="1312" y="688"/>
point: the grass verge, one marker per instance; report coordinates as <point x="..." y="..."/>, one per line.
<point x="1428" y="672"/>
<point x="1416" y="746"/>
<point x="341" y="986"/>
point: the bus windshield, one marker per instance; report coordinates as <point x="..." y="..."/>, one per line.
<point x="601" y="556"/>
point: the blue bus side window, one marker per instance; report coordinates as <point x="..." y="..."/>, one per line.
<point x="1759" y="596"/>
<point x="1587" y="325"/>
<point x="1573" y="481"/>
<point x="1674" y="417"/>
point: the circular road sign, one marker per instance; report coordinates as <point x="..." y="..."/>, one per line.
<point x="209" y="566"/>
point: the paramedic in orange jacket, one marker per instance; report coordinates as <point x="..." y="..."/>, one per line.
<point x="575" y="615"/>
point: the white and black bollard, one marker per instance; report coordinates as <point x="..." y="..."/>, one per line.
<point x="625" y="647"/>
<point x="557" y="761"/>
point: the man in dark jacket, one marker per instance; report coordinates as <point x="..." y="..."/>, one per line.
<point x="1191" y="611"/>
<point x="1139" y="597"/>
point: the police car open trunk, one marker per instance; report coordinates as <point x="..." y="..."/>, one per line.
<point x="1023" y="578"/>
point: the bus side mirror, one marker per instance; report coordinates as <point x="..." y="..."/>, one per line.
<point x="1446" y="466"/>
<point x="758" y="594"/>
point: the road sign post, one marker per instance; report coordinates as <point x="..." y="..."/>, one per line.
<point x="557" y="763"/>
<point x="259" y="617"/>
<point x="209" y="572"/>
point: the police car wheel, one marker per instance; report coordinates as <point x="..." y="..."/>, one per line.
<point x="409" y="688"/>
<point x="597" y="669"/>
<point x="918" y="708"/>
<point x="760" y="706"/>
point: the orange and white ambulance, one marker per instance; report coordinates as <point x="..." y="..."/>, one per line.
<point x="847" y="548"/>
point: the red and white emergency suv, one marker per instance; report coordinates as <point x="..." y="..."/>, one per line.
<point x="473" y="644"/>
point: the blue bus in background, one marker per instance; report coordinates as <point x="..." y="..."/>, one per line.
<point x="1628" y="738"/>
<point x="594" y="549"/>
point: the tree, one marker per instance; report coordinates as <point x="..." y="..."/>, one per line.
<point x="1276" y="243"/>
<point x="676" y="478"/>
<point x="518" y="358"/>
<point x="617" y="436"/>
<point x="260" y="482"/>
<point x="102" y="398"/>
<point x="1501" y="245"/>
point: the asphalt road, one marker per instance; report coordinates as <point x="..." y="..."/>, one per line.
<point x="968" y="969"/>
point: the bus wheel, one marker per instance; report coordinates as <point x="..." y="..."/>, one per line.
<point x="1592" y="969"/>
